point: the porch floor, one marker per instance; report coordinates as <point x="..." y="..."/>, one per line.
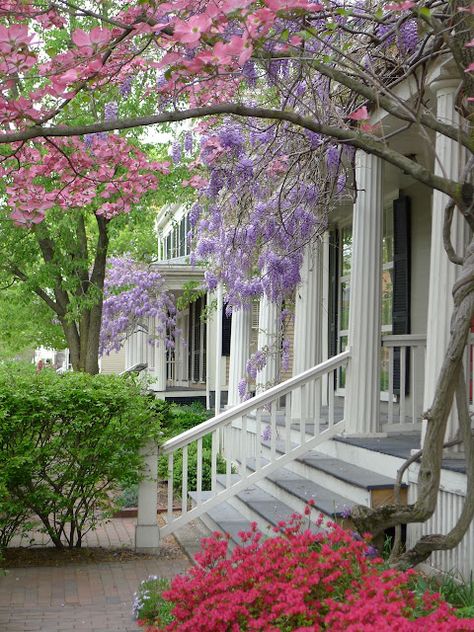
<point x="399" y="445"/>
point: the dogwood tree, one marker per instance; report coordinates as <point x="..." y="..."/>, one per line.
<point x="299" y="66"/>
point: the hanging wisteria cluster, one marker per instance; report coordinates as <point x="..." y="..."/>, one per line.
<point x="135" y="297"/>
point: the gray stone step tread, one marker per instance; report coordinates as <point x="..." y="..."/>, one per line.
<point x="226" y="518"/>
<point x="264" y="504"/>
<point x="328" y="502"/>
<point x="353" y="474"/>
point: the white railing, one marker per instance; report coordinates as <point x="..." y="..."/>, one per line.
<point x="295" y="436"/>
<point x="406" y="353"/>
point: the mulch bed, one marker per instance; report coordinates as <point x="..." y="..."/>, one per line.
<point x="21" y="557"/>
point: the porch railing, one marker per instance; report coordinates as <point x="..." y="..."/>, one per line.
<point x="271" y="412"/>
<point x="406" y="362"/>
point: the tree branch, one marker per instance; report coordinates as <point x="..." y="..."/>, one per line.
<point x="448" y="246"/>
<point x="355" y="138"/>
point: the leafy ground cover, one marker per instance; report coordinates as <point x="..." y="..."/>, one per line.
<point x="295" y="581"/>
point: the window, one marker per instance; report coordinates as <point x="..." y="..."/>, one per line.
<point x="344" y="288"/>
<point x="344" y="291"/>
<point x="387" y="290"/>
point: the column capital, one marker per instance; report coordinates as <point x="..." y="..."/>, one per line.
<point x="445" y="86"/>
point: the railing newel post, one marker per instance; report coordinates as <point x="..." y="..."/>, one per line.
<point x="147" y="532"/>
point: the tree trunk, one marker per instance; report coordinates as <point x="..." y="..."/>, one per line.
<point x="83" y="337"/>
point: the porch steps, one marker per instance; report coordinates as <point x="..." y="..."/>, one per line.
<point x="334" y="485"/>
<point x="361" y="485"/>
<point x="224" y="518"/>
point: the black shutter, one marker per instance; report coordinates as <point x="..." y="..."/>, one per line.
<point x="333" y="285"/>
<point x="401" y="283"/>
<point x="226" y="329"/>
<point x="197" y="338"/>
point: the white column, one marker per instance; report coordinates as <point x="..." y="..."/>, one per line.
<point x="269" y="330"/>
<point x="308" y="327"/>
<point x="325" y="315"/>
<point x="159" y="350"/>
<point x="239" y="352"/>
<point x="448" y="163"/>
<point x="147" y="534"/>
<point x="363" y="380"/>
<point x="218" y="351"/>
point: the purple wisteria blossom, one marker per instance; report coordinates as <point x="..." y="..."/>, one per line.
<point x="110" y="110"/>
<point x="267" y="433"/>
<point x="135" y="296"/>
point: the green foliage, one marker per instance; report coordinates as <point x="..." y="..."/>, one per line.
<point x="149" y="606"/>
<point x="26" y="323"/>
<point x="67" y="443"/>
<point x="177" y="420"/>
<point x="455" y="589"/>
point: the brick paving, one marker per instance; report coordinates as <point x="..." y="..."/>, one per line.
<point x="116" y="533"/>
<point x="93" y="597"/>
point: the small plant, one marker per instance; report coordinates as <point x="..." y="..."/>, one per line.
<point x="149" y="606"/>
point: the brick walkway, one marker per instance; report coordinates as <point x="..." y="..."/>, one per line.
<point x="89" y="597"/>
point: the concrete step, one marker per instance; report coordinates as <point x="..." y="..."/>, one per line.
<point x="295" y="491"/>
<point x="356" y="483"/>
<point x="224" y="518"/>
<point x="259" y="506"/>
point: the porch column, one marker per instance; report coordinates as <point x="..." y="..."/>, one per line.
<point x="160" y="365"/>
<point x="443" y="273"/>
<point x="269" y="328"/>
<point x="308" y="327"/>
<point x="363" y="378"/>
<point x="239" y="352"/>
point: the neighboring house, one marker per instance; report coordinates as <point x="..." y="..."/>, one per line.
<point x="378" y="285"/>
<point x="55" y="358"/>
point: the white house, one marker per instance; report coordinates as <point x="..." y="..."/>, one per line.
<point x="371" y="325"/>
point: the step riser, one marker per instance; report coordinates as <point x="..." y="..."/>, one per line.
<point x="377" y="462"/>
<point x="343" y="488"/>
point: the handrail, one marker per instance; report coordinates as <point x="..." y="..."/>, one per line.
<point x="403" y="340"/>
<point x="256" y="402"/>
<point x="138" y="367"/>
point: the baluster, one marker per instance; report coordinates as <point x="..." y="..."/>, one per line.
<point x="273" y="436"/>
<point x="258" y="440"/>
<point x="412" y="380"/>
<point x="288" y="422"/>
<point x="316" y="409"/>
<point x="199" y="470"/>
<point x="402" y="383"/>
<point x="303" y="411"/>
<point x="170" y="487"/>
<point x="184" y="479"/>
<point x="243" y="455"/>
<point x="331" y="401"/>
<point x="228" y="455"/>
<point x="390" y="384"/>
<point x="214" y="461"/>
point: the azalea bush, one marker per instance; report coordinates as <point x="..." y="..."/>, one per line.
<point x="67" y="444"/>
<point x="297" y="580"/>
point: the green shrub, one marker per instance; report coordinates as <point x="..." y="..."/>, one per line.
<point x="177" y="419"/>
<point x="67" y="443"/>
